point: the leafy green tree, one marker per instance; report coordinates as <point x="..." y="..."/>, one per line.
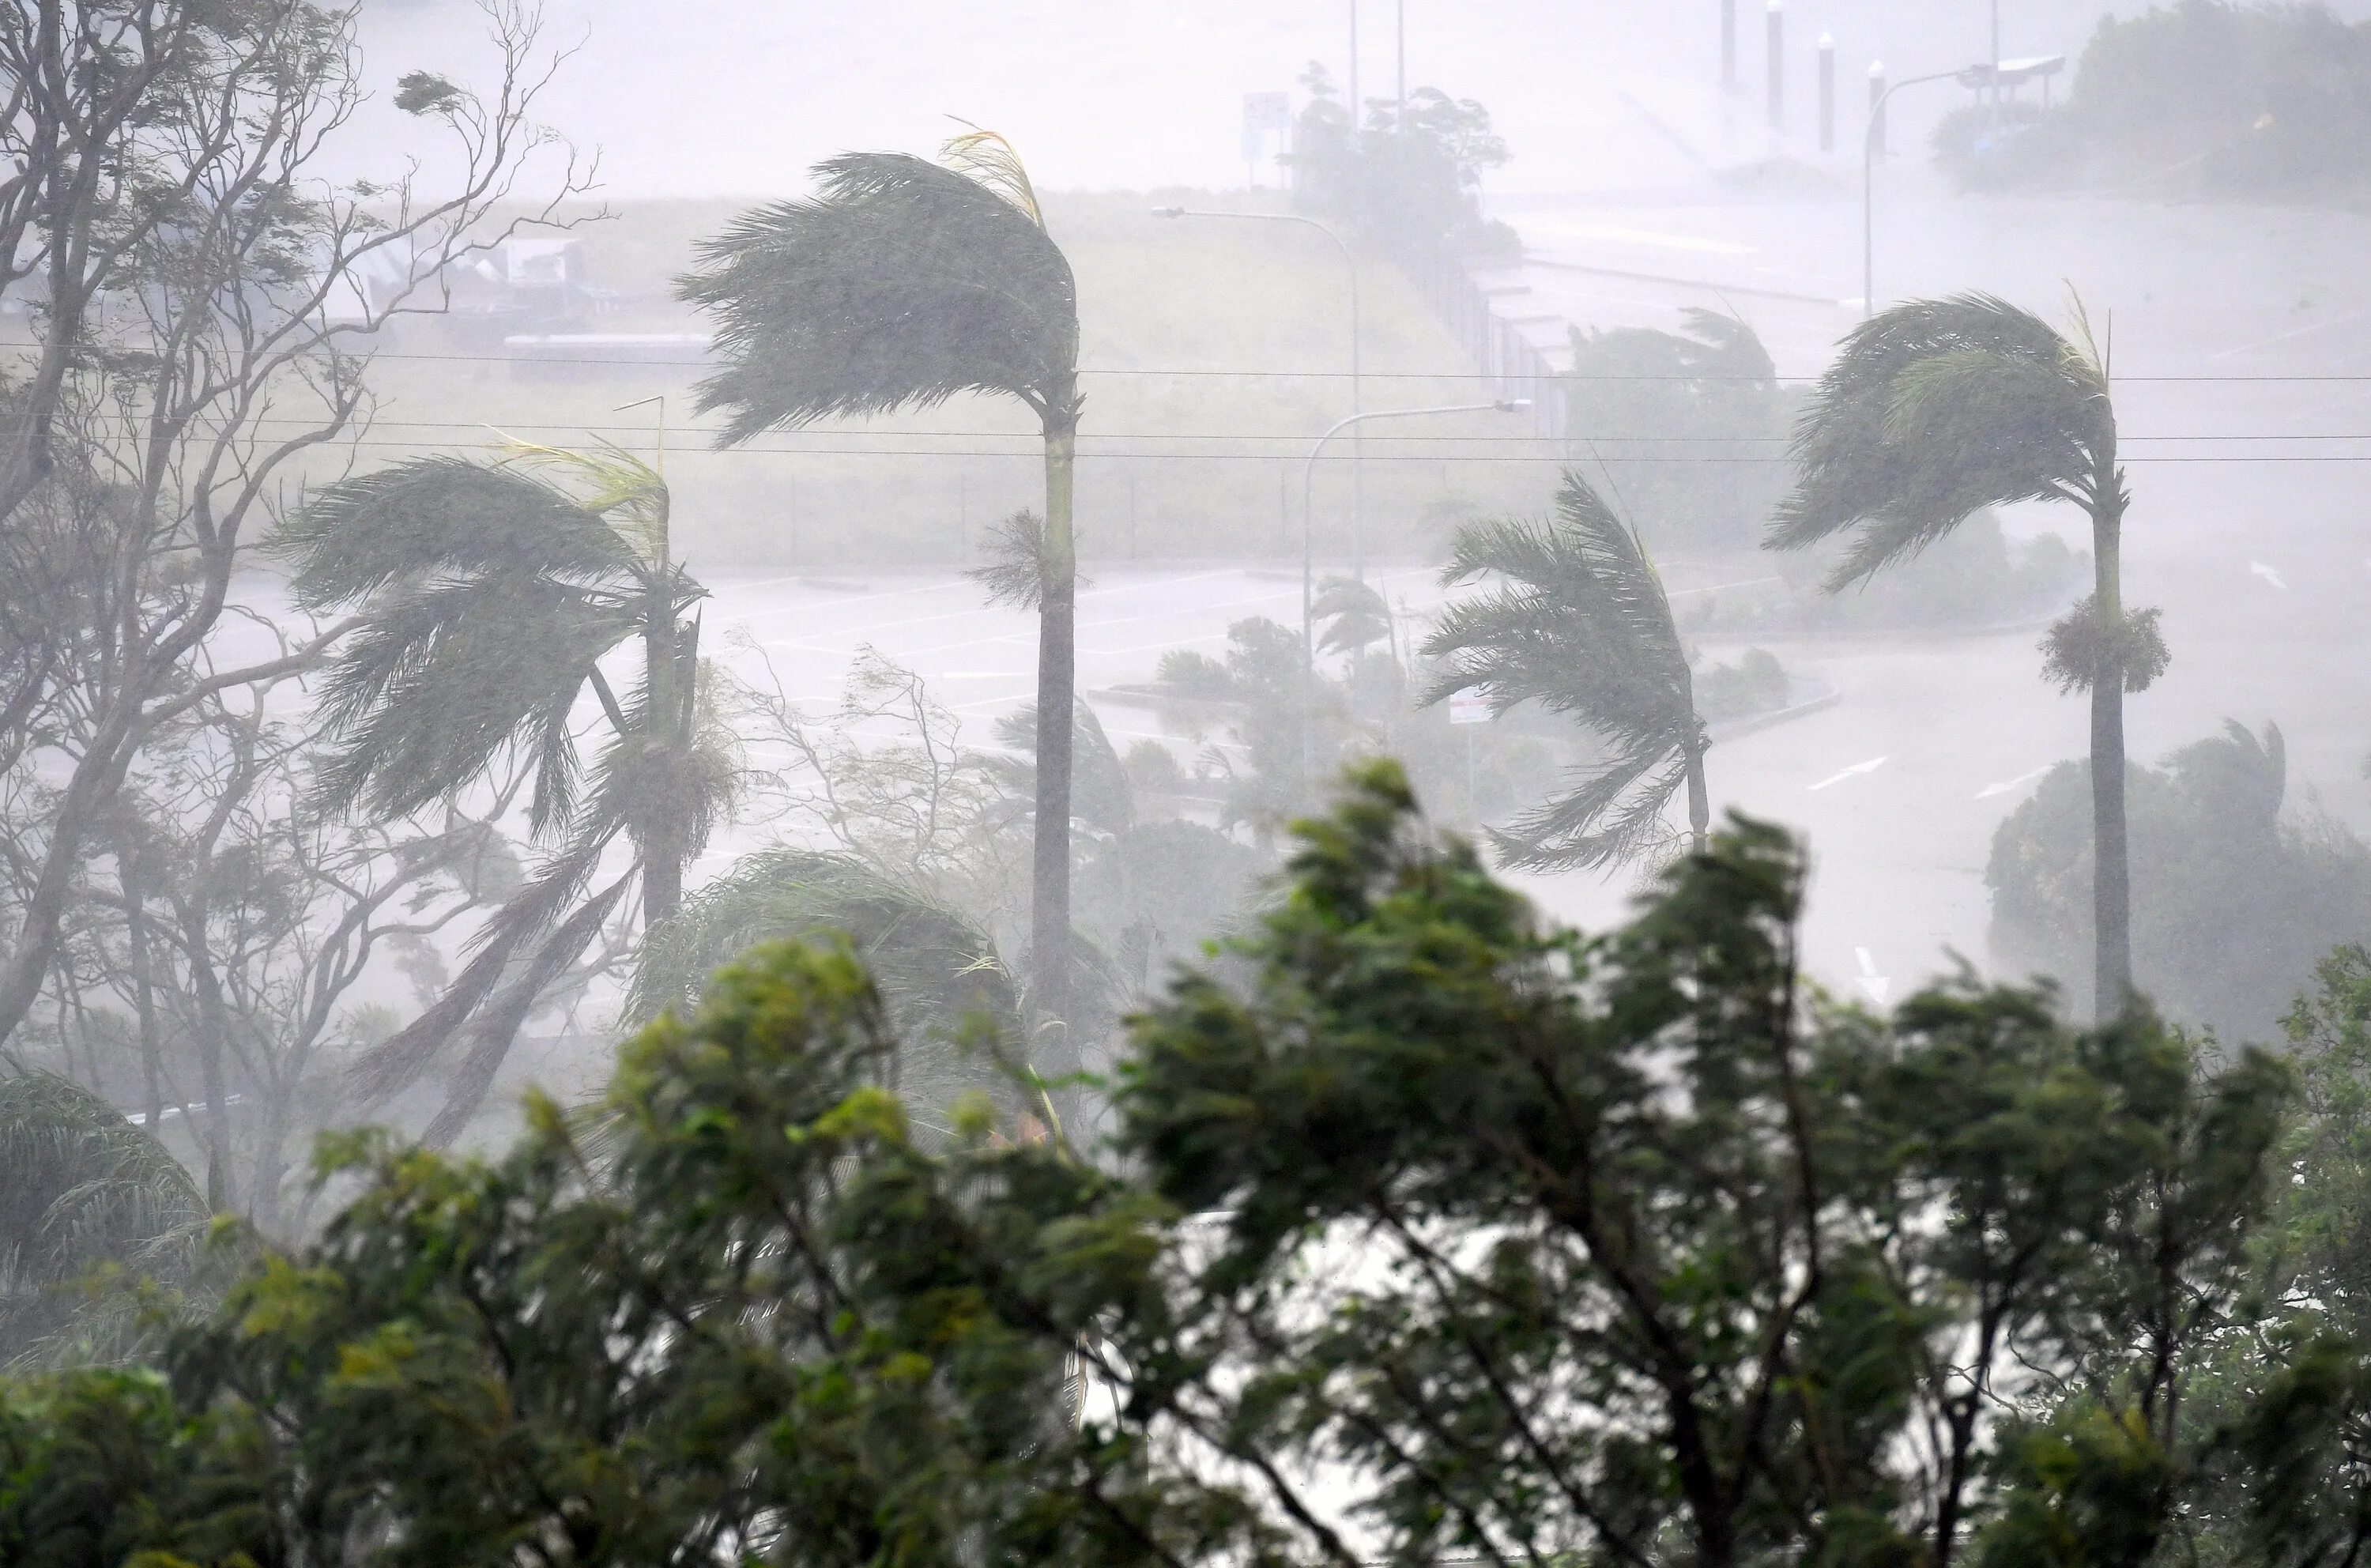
<point x="901" y="285"/>
<point x="1581" y="625"/>
<point x="488" y="594"/>
<point x="1431" y="1228"/>
<point x="1939" y="408"/>
<point x="1624" y="1249"/>
<point x="84" y="1192"/>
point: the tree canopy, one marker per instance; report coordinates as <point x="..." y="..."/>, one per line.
<point x="1430" y="1228"/>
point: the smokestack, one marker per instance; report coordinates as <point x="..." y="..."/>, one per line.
<point x="1777" y="25"/>
<point x="1877" y="107"/>
<point x="1827" y="93"/>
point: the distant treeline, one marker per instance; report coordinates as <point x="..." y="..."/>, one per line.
<point x="2200" y="99"/>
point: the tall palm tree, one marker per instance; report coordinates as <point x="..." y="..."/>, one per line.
<point x="1939" y="408"/>
<point x="902" y="283"/>
<point x="1581" y="625"/>
<point x="488" y="595"/>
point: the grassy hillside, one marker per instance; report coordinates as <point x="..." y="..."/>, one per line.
<point x="1213" y="350"/>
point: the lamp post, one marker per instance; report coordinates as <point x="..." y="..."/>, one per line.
<point x="1358" y="388"/>
<point x="1991" y="73"/>
<point x="1869" y="184"/>
<point x="1308" y="535"/>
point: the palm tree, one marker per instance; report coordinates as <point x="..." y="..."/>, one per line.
<point x="936" y="968"/>
<point x="1581" y="625"/>
<point x="901" y="285"/>
<point x="1939" y="408"/>
<point x="82" y="1190"/>
<point x="488" y="594"/>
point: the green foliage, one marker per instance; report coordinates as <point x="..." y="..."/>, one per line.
<point x="1661" y="402"/>
<point x="937" y="970"/>
<point x="2199" y="98"/>
<point x="1430" y="1230"/>
<point x="2085" y="648"/>
<point x="2233" y="902"/>
<point x="1581" y="625"/>
<point x="91" y="1209"/>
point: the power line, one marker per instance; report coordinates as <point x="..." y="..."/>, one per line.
<point x="1320" y="375"/>
<point x="495" y="427"/>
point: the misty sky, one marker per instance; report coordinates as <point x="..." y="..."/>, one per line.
<point x="739" y="97"/>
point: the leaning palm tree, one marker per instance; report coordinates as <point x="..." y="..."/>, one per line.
<point x="902" y="283"/>
<point x="1579" y="624"/>
<point x="1939" y="408"/>
<point x="488" y="595"/>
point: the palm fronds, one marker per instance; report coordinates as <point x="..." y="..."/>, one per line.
<point x="1934" y="410"/>
<point x="900" y="285"/>
<point x="81" y="1190"/>
<point x="1353" y="614"/>
<point x="1580" y="625"/>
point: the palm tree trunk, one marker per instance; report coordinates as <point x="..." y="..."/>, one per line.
<point x="2110" y="858"/>
<point x="1057" y="673"/>
<point x="1699" y="801"/>
<point x="662" y="834"/>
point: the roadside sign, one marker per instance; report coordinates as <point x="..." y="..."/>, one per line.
<point x="1468" y="707"/>
<point x="1266" y="112"/>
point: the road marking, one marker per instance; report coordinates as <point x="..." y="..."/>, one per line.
<point x="1877" y="987"/>
<point x="1855" y="771"/>
<point x="1989" y="790"/>
<point x="2267" y="574"/>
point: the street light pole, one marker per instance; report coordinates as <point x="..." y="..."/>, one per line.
<point x="1868" y="185"/>
<point x="1358" y="383"/>
<point x="1308" y="535"/>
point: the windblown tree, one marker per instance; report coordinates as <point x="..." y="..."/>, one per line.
<point x="1939" y="408"/>
<point x="167" y="157"/>
<point x="901" y="285"/>
<point x="1579" y="624"/>
<point x="487" y="596"/>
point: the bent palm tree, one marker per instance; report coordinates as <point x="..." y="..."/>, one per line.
<point x="1939" y="408"/>
<point x="1581" y="625"/>
<point x="488" y="595"/>
<point x="901" y="285"/>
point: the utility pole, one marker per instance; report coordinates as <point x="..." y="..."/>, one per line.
<point x="1729" y="47"/>
<point x="1777" y="30"/>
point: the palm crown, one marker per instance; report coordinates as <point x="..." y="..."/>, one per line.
<point x="1581" y="625"/>
<point x="1936" y="410"/>
<point x="489" y="596"/>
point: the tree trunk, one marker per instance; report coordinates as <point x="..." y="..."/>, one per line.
<point x="659" y="818"/>
<point x="1699" y="801"/>
<point x="1049" y="904"/>
<point x="2110" y="859"/>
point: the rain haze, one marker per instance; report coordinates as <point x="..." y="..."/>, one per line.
<point x="1745" y="616"/>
